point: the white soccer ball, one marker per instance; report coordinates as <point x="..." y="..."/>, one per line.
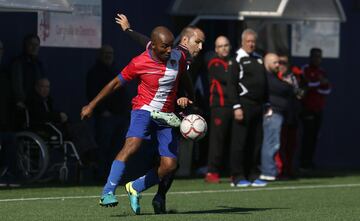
<point x="193" y="127"/>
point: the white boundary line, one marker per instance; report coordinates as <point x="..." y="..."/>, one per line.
<point x="235" y="189"/>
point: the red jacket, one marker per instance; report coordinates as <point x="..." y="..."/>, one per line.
<point x="317" y="86"/>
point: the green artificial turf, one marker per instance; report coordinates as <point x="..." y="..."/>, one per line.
<point x="328" y="198"/>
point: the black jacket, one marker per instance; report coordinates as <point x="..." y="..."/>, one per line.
<point x="25" y="71"/>
<point x="280" y="93"/>
<point x="5" y="98"/>
<point x="223" y="74"/>
<point x="41" y="109"/>
<point x="253" y="84"/>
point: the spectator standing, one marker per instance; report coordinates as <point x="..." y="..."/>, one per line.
<point x="7" y="137"/>
<point x="26" y="70"/>
<point x="249" y="110"/>
<point x="5" y="94"/>
<point x="222" y="72"/>
<point x="289" y="131"/>
<point x="279" y="94"/>
<point x="318" y="87"/>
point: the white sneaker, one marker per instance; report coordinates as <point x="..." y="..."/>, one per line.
<point x="267" y="178"/>
<point x="259" y="183"/>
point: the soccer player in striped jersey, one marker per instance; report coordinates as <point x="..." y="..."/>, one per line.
<point x="159" y="70"/>
<point x="191" y="43"/>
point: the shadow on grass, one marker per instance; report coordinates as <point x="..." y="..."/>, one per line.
<point x="226" y="209"/>
<point x="221" y="210"/>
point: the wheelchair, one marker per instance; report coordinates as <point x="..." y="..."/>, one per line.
<point x="43" y="153"/>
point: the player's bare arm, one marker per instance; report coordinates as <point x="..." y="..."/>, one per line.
<point x="112" y="86"/>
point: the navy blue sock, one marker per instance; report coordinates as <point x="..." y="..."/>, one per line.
<point x="116" y="172"/>
<point x="147" y="181"/>
<point x="165" y="184"/>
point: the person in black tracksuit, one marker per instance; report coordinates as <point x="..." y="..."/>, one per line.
<point x="222" y="71"/>
<point x="248" y="111"/>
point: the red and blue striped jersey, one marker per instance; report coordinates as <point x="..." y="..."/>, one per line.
<point x="158" y="81"/>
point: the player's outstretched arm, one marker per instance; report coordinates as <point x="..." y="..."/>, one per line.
<point x="112" y="86"/>
<point x="122" y="20"/>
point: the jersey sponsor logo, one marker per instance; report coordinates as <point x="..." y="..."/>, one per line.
<point x="247" y="62"/>
<point x="161" y="95"/>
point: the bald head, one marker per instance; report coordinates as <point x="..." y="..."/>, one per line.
<point x="222" y="46"/>
<point x="162" y="40"/>
<point x="161" y="33"/>
<point x="192" y="38"/>
<point x="271" y="62"/>
<point x="188" y="32"/>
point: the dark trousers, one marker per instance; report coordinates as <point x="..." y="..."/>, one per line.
<point x="311" y="122"/>
<point x="246" y="143"/>
<point x="220" y="131"/>
<point x="8" y="151"/>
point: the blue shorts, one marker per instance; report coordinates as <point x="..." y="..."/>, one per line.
<point x="143" y="126"/>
